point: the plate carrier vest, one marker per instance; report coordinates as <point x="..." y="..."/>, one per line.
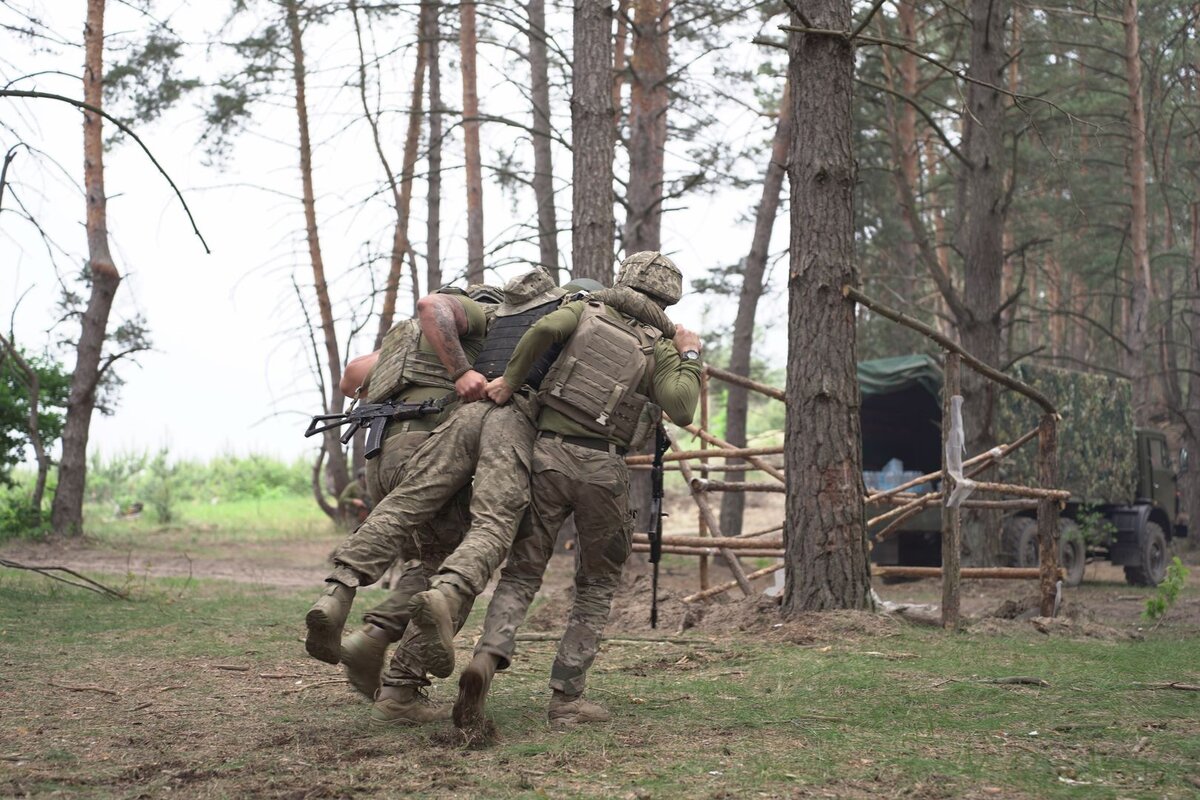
<point x="402" y="363"/>
<point x="501" y="341"/>
<point x="595" y="380"/>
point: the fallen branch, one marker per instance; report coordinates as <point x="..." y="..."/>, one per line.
<point x="99" y="689"/>
<point x="231" y="667"/>
<point x="1018" y="680"/>
<point x="725" y="587"/>
<point x="47" y="571"/>
<point x="1182" y="687"/>
<point x="306" y="687"/>
<point x="554" y="637"/>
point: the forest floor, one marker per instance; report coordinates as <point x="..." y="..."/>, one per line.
<point x="199" y="687"/>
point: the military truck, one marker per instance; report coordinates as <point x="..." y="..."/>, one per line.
<point x="1123" y="507"/>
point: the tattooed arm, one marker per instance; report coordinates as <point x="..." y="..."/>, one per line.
<point x="443" y="320"/>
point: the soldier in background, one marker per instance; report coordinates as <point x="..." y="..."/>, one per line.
<point x="605" y="393"/>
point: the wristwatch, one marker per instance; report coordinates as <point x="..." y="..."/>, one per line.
<point x="691" y="355"/>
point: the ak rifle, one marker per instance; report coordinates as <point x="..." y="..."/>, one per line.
<point x="375" y="416"/>
<point x="661" y="444"/>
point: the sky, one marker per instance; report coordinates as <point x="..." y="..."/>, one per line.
<point x="230" y="370"/>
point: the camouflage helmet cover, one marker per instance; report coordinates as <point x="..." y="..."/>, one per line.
<point x="652" y="273"/>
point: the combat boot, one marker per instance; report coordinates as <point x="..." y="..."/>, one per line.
<point x="406" y="705"/>
<point x="363" y="656"/>
<point x="433" y="611"/>
<point x="325" y="621"/>
<point x="566" y="710"/>
<point x="473" y="687"/>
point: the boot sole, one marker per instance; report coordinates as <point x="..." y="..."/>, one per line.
<point x="437" y="637"/>
<point x="324" y="640"/>
<point x="472" y="696"/>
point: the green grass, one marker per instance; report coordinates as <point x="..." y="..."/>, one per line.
<point x="275" y="519"/>
<point x="857" y="710"/>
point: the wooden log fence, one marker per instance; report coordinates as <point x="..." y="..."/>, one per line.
<point x="905" y="504"/>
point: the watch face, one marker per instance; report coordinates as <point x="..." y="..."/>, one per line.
<point x="691" y="355"/>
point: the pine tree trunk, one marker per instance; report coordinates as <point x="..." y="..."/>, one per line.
<point x="592" y="150"/>
<point x="474" y="163"/>
<point x="337" y="459"/>
<point x="1137" y="325"/>
<point x="981" y="240"/>
<point x="66" y="512"/>
<point x="433" y="215"/>
<point x="543" y="168"/>
<point x="737" y="405"/>
<point x="824" y="534"/>
<point x="647" y="124"/>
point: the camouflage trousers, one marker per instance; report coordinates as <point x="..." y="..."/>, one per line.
<point x="595" y="486"/>
<point x="439" y="535"/>
<point x="493" y="444"/>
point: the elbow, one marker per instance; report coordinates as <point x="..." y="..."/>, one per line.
<point x="427" y="306"/>
<point x="681" y="416"/>
<point x="348" y="386"/>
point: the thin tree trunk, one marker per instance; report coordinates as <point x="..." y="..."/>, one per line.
<point x="474" y="163"/>
<point x="592" y="150"/>
<point x="1137" y="324"/>
<point x="66" y="514"/>
<point x="981" y="240"/>
<point x="1189" y="483"/>
<point x="334" y="402"/>
<point x="824" y="534"/>
<point x="402" y="191"/>
<point x="433" y="214"/>
<point x="543" y="169"/>
<point x="647" y="124"/>
<point x="34" y="432"/>
<point x="619" y="56"/>
<point x="738" y="400"/>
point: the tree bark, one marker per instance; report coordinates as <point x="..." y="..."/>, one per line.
<point x="334" y="402"/>
<point x="737" y="404"/>
<point x="1139" y="305"/>
<point x="433" y="215"/>
<point x="981" y="240"/>
<point x="66" y="514"/>
<point x="647" y="124"/>
<point x="824" y="534"/>
<point x="1189" y="479"/>
<point x="474" y="163"/>
<point x="592" y="146"/>
<point x="543" y="169"/>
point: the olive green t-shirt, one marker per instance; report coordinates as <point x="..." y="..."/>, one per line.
<point x="674" y="384"/>
<point x="471" y="341"/>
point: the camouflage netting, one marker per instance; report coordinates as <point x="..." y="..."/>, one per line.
<point x="1096" y="444"/>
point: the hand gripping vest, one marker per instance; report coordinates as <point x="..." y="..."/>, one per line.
<point x="594" y="381"/>
<point x="403" y="363"/>
<point x="501" y="341"/>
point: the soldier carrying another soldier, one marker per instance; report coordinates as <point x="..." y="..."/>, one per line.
<point x="605" y="393"/>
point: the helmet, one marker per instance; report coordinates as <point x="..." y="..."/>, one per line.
<point x="483" y="293"/>
<point x="653" y="274"/>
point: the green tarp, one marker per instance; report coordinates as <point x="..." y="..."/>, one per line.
<point x="887" y="375"/>
<point x="1097" y="458"/>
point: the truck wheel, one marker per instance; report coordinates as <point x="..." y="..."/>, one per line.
<point x="1072" y="551"/>
<point x="1152" y="558"/>
<point x="1019" y="542"/>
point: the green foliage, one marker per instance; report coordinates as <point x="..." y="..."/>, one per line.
<point x="54" y="384"/>
<point x="157" y="481"/>
<point x="1167" y="592"/>
<point x="1094" y="526"/>
<point x="18" y="518"/>
<point x="149" y="77"/>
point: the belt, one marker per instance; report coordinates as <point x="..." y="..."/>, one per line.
<point x="602" y="445"/>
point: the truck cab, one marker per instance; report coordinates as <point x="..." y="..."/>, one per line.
<point x="1156" y="477"/>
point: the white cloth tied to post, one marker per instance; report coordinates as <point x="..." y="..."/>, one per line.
<point x="955" y="446"/>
